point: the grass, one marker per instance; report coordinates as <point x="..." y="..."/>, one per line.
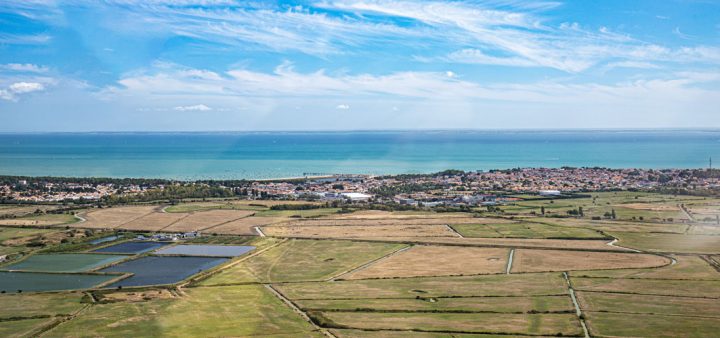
<point x="31" y="305"/>
<point x="535" y="324"/>
<point x="528" y="260"/>
<point x="469" y="304"/>
<point x="436" y="260"/>
<point x="643" y="325"/>
<point x="349" y="333"/>
<point x="234" y="240"/>
<point x="22" y="328"/>
<point x="303" y="260"/>
<point x="687" y="267"/>
<point x="310" y="213"/>
<point x="523" y="230"/>
<point x="661" y="305"/>
<point x="219" y="311"/>
<point x="41" y="220"/>
<point x="539" y="284"/>
<point x="661" y="242"/>
<point x="14" y="233"/>
<point x="64" y="262"/>
<point x="667" y="287"/>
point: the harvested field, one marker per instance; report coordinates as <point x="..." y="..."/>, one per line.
<point x="244" y="226"/>
<point x="534" y="324"/>
<point x="423" y="260"/>
<point x="600" y="245"/>
<point x="687" y="267"/>
<point x="41" y="220"/>
<point x="113" y="217"/>
<point x="651" y="206"/>
<point x="540" y="284"/>
<point x="667" y="287"/>
<point x="207" y="219"/>
<point x="526" y="260"/>
<point x="661" y="305"/>
<point x="303" y="260"/>
<point x="395" y="221"/>
<point x="356" y="231"/>
<point x="713" y="229"/>
<point x="379" y="214"/>
<point x="612" y="225"/>
<point x="672" y="243"/>
<point x="643" y="325"/>
<point x="153" y="221"/>
<point x="523" y="230"/>
<point x="464" y="304"/>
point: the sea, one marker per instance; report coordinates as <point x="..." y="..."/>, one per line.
<point x="266" y="155"/>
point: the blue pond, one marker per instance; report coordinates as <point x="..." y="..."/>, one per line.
<point x="153" y="270"/>
<point x="206" y="250"/>
<point x="134" y="247"/>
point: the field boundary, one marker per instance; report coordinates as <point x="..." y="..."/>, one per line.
<point x="297" y="310"/>
<point x="368" y="264"/>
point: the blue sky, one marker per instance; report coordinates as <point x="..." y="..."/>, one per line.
<point x="186" y="65"/>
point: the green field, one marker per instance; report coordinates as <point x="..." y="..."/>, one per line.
<point x="533" y="324"/>
<point x="217" y="311"/>
<point x="662" y="305"/>
<point x="24" y="327"/>
<point x="78" y="262"/>
<point x="667" y="287"/>
<point x="452" y="304"/>
<point x="687" y="267"/>
<point x="303" y="260"/>
<point x="643" y="325"/>
<point x="13" y="233"/>
<point x="539" y="284"/>
<point x="523" y="230"/>
<point x="32" y="305"/>
<point x="660" y="242"/>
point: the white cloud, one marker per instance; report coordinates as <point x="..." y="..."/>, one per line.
<point x="342" y="107"/>
<point x="197" y="107"/>
<point x="24" y="67"/>
<point x="12" y="91"/>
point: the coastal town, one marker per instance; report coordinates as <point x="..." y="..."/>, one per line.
<point x="451" y="187"/>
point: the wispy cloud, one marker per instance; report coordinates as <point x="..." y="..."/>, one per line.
<point x="13" y="91"/>
<point x="197" y="107"/>
<point x="24" y="67"/>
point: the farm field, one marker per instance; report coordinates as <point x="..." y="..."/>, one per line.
<point x="230" y="311"/>
<point x="303" y="260"/>
<point x="114" y="217"/>
<point x="435" y="260"/>
<point x="526" y="260"/>
<point x="359" y="231"/>
<point x="40" y="220"/>
<point x="523" y="230"/>
<point x="532" y="324"/>
<point x="372" y="273"/>
<point x="673" y="243"/>
<point x="687" y="267"/>
<point x="244" y="226"/>
<point x="450" y="304"/>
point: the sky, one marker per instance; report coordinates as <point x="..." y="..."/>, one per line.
<point x="204" y="65"/>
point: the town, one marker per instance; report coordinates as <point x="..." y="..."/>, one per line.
<point x="451" y="187"/>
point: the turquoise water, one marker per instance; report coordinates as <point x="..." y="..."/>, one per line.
<point x="285" y="154"/>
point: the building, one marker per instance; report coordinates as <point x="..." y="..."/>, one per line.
<point x="356" y="196"/>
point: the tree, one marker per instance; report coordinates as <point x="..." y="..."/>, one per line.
<point x="613" y="214"/>
<point x="580" y="211"/>
<point x="542" y="210"/>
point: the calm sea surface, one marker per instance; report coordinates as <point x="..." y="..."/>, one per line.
<point x="278" y="154"/>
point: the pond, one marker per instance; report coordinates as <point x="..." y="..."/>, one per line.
<point x="206" y="250"/>
<point x="132" y="247"/>
<point x="152" y="270"/>
<point x="64" y="262"/>
<point x="37" y="281"/>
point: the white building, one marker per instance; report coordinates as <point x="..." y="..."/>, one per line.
<point x="356" y="196"/>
